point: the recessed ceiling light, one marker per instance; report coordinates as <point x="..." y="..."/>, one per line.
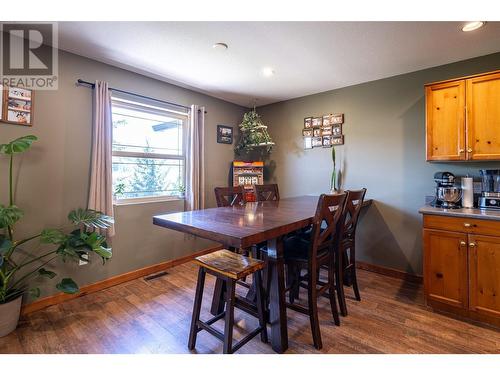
<point x="268" y="72"/>
<point x="220" y="46"/>
<point x="470" y="26"/>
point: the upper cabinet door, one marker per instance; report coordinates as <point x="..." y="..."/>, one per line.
<point x="445" y="121"/>
<point x="483" y="117"/>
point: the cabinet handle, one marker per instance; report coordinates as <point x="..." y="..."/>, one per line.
<point x="472" y="244"/>
<point x="469" y="150"/>
<point x="467" y="225"/>
<point x="461" y="151"/>
<point x="439" y="275"/>
<point x="463" y="243"/>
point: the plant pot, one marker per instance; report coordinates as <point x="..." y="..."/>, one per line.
<point x="9" y="316"/>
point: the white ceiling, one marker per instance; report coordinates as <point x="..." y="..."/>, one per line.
<point x="308" y="57"/>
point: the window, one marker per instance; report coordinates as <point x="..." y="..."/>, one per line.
<point x="148" y="151"/>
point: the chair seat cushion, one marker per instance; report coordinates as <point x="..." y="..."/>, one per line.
<point x="296" y="248"/>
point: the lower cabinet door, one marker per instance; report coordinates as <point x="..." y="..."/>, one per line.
<point x="445" y="267"/>
<point x="484" y="274"/>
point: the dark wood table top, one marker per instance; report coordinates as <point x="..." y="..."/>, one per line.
<point x="243" y="226"/>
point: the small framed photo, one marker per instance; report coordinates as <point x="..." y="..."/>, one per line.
<point x="317" y="142"/>
<point x="335" y="141"/>
<point x="308" y="122"/>
<point x="317" y="122"/>
<point x="327" y="130"/>
<point x="307" y="132"/>
<point x="326" y="120"/>
<point x="307" y="143"/>
<point x="337" y="130"/>
<point x="337" y="118"/>
<point x="225" y="134"/>
<point x="17" y="105"/>
<point x="327" y="141"/>
<point x="317" y="132"/>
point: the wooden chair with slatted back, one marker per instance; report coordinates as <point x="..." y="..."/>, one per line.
<point x="310" y="255"/>
<point x="229" y="196"/>
<point x="346" y="247"/>
<point x="268" y="192"/>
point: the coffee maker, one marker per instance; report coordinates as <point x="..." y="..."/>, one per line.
<point x="490" y="189"/>
<point x="447" y="194"/>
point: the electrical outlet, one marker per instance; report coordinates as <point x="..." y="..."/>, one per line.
<point x="82" y="262"/>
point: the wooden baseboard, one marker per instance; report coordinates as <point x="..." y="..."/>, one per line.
<point x="112" y="281"/>
<point x="389" y="272"/>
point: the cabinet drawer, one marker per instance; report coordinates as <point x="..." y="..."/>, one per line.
<point x="462" y="224"/>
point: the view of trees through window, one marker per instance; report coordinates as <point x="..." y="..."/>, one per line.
<point x="148" y="155"/>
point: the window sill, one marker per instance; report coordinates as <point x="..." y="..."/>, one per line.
<point x="134" y="201"/>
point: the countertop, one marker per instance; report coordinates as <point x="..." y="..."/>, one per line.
<point x="474" y="213"/>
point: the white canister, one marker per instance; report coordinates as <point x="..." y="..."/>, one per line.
<point x="467" y="192"/>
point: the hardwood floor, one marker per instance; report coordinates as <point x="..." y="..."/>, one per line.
<point x="154" y="316"/>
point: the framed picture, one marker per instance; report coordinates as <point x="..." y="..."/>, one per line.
<point x="327" y="130"/>
<point x="326" y="120"/>
<point x="317" y="122"/>
<point x="337" y="118"/>
<point x="225" y="134"/>
<point x="17" y="105"/>
<point x="308" y="122"/>
<point x="307" y="132"/>
<point x="317" y="132"/>
<point x="337" y="140"/>
<point x="1" y="102"/>
<point x="307" y="143"/>
<point x="317" y="142"/>
<point x="337" y="130"/>
<point x="327" y="141"/>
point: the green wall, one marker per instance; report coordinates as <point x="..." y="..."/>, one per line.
<point x="384" y="151"/>
<point x="54" y="174"/>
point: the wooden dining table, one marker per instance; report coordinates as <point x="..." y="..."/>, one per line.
<point x="250" y="224"/>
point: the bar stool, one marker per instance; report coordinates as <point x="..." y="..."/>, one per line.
<point x="228" y="267"/>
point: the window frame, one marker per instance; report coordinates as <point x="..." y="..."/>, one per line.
<point x="157" y="110"/>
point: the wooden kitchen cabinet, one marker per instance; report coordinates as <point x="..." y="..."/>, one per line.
<point x="462" y="266"/>
<point x="445" y="258"/>
<point x="446" y="121"/>
<point x="484" y="274"/>
<point x="463" y="118"/>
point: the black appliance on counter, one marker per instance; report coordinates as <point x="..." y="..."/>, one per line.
<point x="447" y="194"/>
<point x="490" y="189"/>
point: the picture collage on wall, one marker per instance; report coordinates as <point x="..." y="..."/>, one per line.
<point x="323" y="131"/>
<point x="16" y="105"/>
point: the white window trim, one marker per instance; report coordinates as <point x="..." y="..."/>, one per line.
<point x="157" y="110"/>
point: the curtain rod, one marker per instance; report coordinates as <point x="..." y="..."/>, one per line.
<point x="81" y="82"/>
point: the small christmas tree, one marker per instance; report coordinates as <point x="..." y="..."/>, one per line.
<point x="253" y="134"/>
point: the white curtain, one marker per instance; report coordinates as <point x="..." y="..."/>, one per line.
<point x="195" y="160"/>
<point x="101" y="184"/>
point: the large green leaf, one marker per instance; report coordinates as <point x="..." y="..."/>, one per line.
<point x="9" y="215"/>
<point x="46" y="273"/>
<point x="90" y="218"/>
<point x="68" y="286"/>
<point x="18" y="145"/>
<point x="5" y="244"/>
<point x="54" y="236"/>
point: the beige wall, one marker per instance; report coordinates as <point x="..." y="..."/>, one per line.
<point x="384" y="151"/>
<point x="55" y="174"/>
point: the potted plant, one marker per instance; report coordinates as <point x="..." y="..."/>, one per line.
<point x="19" y="269"/>
<point x="335" y="183"/>
<point x="253" y="134"/>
